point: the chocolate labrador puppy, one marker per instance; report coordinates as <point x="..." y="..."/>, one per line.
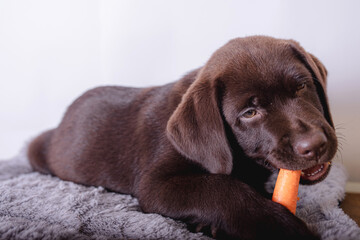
<point x="201" y="148"/>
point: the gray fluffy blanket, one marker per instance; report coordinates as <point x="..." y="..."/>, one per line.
<point x="36" y="206"/>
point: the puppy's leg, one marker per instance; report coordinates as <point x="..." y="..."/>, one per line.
<point x="37" y="152"/>
<point x="219" y="201"/>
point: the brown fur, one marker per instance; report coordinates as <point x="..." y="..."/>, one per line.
<point x="187" y="150"/>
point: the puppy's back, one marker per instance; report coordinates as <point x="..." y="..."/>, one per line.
<point x="90" y="137"/>
<point x="110" y="135"/>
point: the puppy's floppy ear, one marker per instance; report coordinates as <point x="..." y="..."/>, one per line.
<point x="322" y="70"/>
<point x="319" y="74"/>
<point x="196" y="127"/>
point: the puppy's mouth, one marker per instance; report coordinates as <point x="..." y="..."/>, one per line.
<point x="315" y="174"/>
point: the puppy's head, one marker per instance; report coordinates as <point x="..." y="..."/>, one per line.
<point x="272" y="95"/>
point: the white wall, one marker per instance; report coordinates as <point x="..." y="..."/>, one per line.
<point x="52" y="51"/>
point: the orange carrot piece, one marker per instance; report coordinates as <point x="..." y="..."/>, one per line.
<point x="286" y="188"/>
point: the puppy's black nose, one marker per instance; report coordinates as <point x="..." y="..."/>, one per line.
<point x="311" y="146"/>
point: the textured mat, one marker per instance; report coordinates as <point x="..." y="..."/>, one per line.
<point x="36" y="206"/>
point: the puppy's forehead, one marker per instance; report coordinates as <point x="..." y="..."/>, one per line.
<point x="264" y="73"/>
<point x="258" y="64"/>
<point x="280" y="74"/>
<point x="261" y="61"/>
<point x="267" y="77"/>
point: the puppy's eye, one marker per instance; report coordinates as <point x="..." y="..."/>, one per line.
<point x="250" y="113"/>
<point x="300" y="86"/>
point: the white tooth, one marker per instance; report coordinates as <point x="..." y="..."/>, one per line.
<point x="314" y="173"/>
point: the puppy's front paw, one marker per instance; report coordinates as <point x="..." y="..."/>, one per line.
<point x="264" y="220"/>
<point x="286" y="225"/>
<point x="209" y="230"/>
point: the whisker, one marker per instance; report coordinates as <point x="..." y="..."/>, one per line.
<point x="339" y="156"/>
<point x="340" y="126"/>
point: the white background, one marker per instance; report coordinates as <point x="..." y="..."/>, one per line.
<point x="52" y="51"/>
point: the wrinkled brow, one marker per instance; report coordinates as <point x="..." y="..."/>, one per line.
<point x="297" y="74"/>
